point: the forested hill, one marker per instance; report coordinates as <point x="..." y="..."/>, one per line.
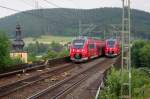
<point x="60" y="21"/>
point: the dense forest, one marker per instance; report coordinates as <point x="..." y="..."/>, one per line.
<point x="61" y="21"/>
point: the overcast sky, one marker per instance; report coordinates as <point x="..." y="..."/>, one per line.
<point x="81" y="4"/>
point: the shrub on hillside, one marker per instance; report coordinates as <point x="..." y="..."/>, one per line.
<point x="140" y="55"/>
<point x="56" y="47"/>
<point x="63" y="53"/>
<point x="50" y="55"/>
<point x="144" y="54"/>
<point x="139" y="83"/>
<point x="4" y="51"/>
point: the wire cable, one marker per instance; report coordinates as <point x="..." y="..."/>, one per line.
<point x="15" y="10"/>
<point x="53" y="4"/>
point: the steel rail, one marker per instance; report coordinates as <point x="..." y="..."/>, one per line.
<point x="50" y="88"/>
<point x="29" y="81"/>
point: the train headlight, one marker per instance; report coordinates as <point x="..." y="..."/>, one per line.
<point x="73" y="50"/>
<point x="83" y="50"/>
<point x="106" y="49"/>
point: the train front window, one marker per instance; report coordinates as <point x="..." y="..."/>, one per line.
<point x="78" y="44"/>
<point x="111" y="43"/>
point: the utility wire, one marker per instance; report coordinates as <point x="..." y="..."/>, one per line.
<point x="9" y="8"/>
<point x="29" y="4"/>
<point x="23" y="12"/>
<point x="51" y="3"/>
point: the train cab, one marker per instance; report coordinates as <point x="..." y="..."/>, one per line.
<point x="78" y="50"/>
<point x="112" y="47"/>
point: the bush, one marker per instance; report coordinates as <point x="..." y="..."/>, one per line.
<point x="144" y="55"/>
<point x="37" y="48"/>
<point x="56" y="47"/>
<point x="140" y="55"/>
<point x="50" y="55"/>
<point x="139" y="83"/>
<point x="52" y="50"/>
<point x="63" y="53"/>
<point x="4" y="51"/>
<point x="112" y="86"/>
<point x="16" y="61"/>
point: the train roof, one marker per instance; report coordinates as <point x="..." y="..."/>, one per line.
<point x="111" y="39"/>
<point x="85" y="38"/>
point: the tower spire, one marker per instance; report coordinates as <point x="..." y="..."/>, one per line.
<point x="18" y="43"/>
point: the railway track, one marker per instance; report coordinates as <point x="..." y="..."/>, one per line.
<point x="62" y="88"/>
<point x="29" y="71"/>
<point x="29" y="67"/>
<point x="27" y="90"/>
<point x="51" y="83"/>
<point x="12" y="87"/>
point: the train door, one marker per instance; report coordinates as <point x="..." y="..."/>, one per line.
<point x="91" y="49"/>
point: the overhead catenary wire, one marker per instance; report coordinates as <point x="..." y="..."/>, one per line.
<point x="39" y="15"/>
<point x="29" y="4"/>
<point x="53" y="4"/>
<point x="15" y="10"/>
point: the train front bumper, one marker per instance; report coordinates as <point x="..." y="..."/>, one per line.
<point x="79" y="60"/>
<point x="111" y="55"/>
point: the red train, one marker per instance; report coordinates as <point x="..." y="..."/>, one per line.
<point x="112" y="48"/>
<point x="83" y="48"/>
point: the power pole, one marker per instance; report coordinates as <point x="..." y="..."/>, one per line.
<point x="126" y="52"/>
<point x="104" y="35"/>
<point x="80" y="28"/>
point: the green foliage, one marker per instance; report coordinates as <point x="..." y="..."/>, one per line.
<point x="56" y="47"/>
<point x="48" y="51"/>
<point x="63" y="53"/>
<point x="53" y="54"/>
<point x="31" y="57"/>
<point x="140" y="53"/>
<point x="144" y="54"/>
<point x="113" y="85"/>
<point x="4" y="51"/>
<point x="139" y="83"/>
<point x="16" y="61"/>
<point x="37" y="48"/>
<point x="64" y="22"/>
<point x="50" y="55"/>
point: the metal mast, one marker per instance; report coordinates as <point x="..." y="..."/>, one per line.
<point x="126" y="52"/>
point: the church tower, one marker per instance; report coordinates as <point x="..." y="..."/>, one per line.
<point x="18" y="43"/>
<point x="17" y="46"/>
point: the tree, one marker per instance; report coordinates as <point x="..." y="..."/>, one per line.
<point x="50" y="55"/>
<point x="37" y="48"/>
<point x="139" y="84"/>
<point x="137" y="45"/>
<point x="56" y="47"/>
<point x="140" y="54"/>
<point x="145" y="55"/>
<point x="63" y="53"/>
<point x="4" y="51"/>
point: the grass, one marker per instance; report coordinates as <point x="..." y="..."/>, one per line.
<point x="48" y="39"/>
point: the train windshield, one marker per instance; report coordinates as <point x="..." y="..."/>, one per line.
<point x="111" y="43"/>
<point x="78" y="43"/>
